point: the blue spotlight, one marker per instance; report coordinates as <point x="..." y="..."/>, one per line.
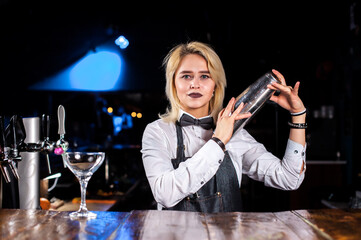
<point x="99" y="71"/>
<point x="122" y="42"/>
<point x="96" y="71"/>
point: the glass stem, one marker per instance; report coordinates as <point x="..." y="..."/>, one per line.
<point x="83" y="185"/>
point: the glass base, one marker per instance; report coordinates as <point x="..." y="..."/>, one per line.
<point x="82" y="215"/>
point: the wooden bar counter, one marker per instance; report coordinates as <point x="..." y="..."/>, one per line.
<point x="152" y="224"/>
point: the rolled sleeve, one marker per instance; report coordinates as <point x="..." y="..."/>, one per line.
<point x="294" y="161"/>
<point x="290" y="173"/>
<point x="295" y="155"/>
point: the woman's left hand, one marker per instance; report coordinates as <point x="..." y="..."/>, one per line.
<point x="226" y="119"/>
<point x="288" y="97"/>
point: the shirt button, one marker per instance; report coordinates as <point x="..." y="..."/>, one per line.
<point x="202" y="182"/>
<point x="303" y="154"/>
<point x="295" y="152"/>
<point x="220" y="161"/>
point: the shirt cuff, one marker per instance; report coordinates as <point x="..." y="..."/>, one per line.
<point x="213" y="152"/>
<point x="207" y="161"/>
<point x="294" y="153"/>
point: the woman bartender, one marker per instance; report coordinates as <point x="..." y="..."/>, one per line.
<point x="191" y="159"/>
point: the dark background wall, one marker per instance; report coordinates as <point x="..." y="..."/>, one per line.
<point x="317" y="44"/>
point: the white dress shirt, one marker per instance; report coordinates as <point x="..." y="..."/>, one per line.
<point x="170" y="186"/>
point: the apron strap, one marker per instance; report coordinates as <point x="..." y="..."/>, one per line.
<point x="180" y="146"/>
<point x="181" y="157"/>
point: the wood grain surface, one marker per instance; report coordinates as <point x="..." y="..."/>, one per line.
<point x="153" y="224"/>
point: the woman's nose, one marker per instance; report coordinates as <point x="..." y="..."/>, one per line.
<point x="195" y="83"/>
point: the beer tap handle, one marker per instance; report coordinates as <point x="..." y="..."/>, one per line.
<point x="43" y="126"/>
<point x="61" y="144"/>
<point x="61" y="121"/>
<point x="47" y="145"/>
<point x="16" y="132"/>
<point x="47" y="127"/>
<point x="2" y="135"/>
<point x="3" y="154"/>
<point x="45" y="122"/>
<point x="3" y="143"/>
<point x="51" y="146"/>
<point x="14" y="152"/>
<point x="15" y="149"/>
<point x="13" y="124"/>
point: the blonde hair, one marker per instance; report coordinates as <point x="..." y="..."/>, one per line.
<point x="171" y="63"/>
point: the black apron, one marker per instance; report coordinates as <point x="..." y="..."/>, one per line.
<point x="220" y="194"/>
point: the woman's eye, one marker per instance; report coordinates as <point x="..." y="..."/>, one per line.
<point x="205" y="76"/>
<point x="187" y="76"/>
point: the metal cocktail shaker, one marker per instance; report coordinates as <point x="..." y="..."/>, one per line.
<point x="254" y="97"/>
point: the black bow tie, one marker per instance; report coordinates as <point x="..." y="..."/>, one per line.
<point x="186" y="120"/>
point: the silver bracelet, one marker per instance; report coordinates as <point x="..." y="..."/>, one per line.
<point x="299" y="113"/>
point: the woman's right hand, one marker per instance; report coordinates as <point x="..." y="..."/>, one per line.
<point x="226" y="119"/>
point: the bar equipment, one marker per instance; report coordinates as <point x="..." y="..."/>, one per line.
<point x="61" y="144"/>
<point x="83" y="165"/>
<point x="29" y="166"/>
<point x="8" y="170"/>
<point x="47" y="146"/>
<point x="20" y="149"/>
<point x="254" y="97"/>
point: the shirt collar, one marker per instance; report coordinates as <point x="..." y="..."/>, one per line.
<point x="181" y="112"/>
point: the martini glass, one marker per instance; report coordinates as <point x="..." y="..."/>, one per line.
<point x="83" y="165"/>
